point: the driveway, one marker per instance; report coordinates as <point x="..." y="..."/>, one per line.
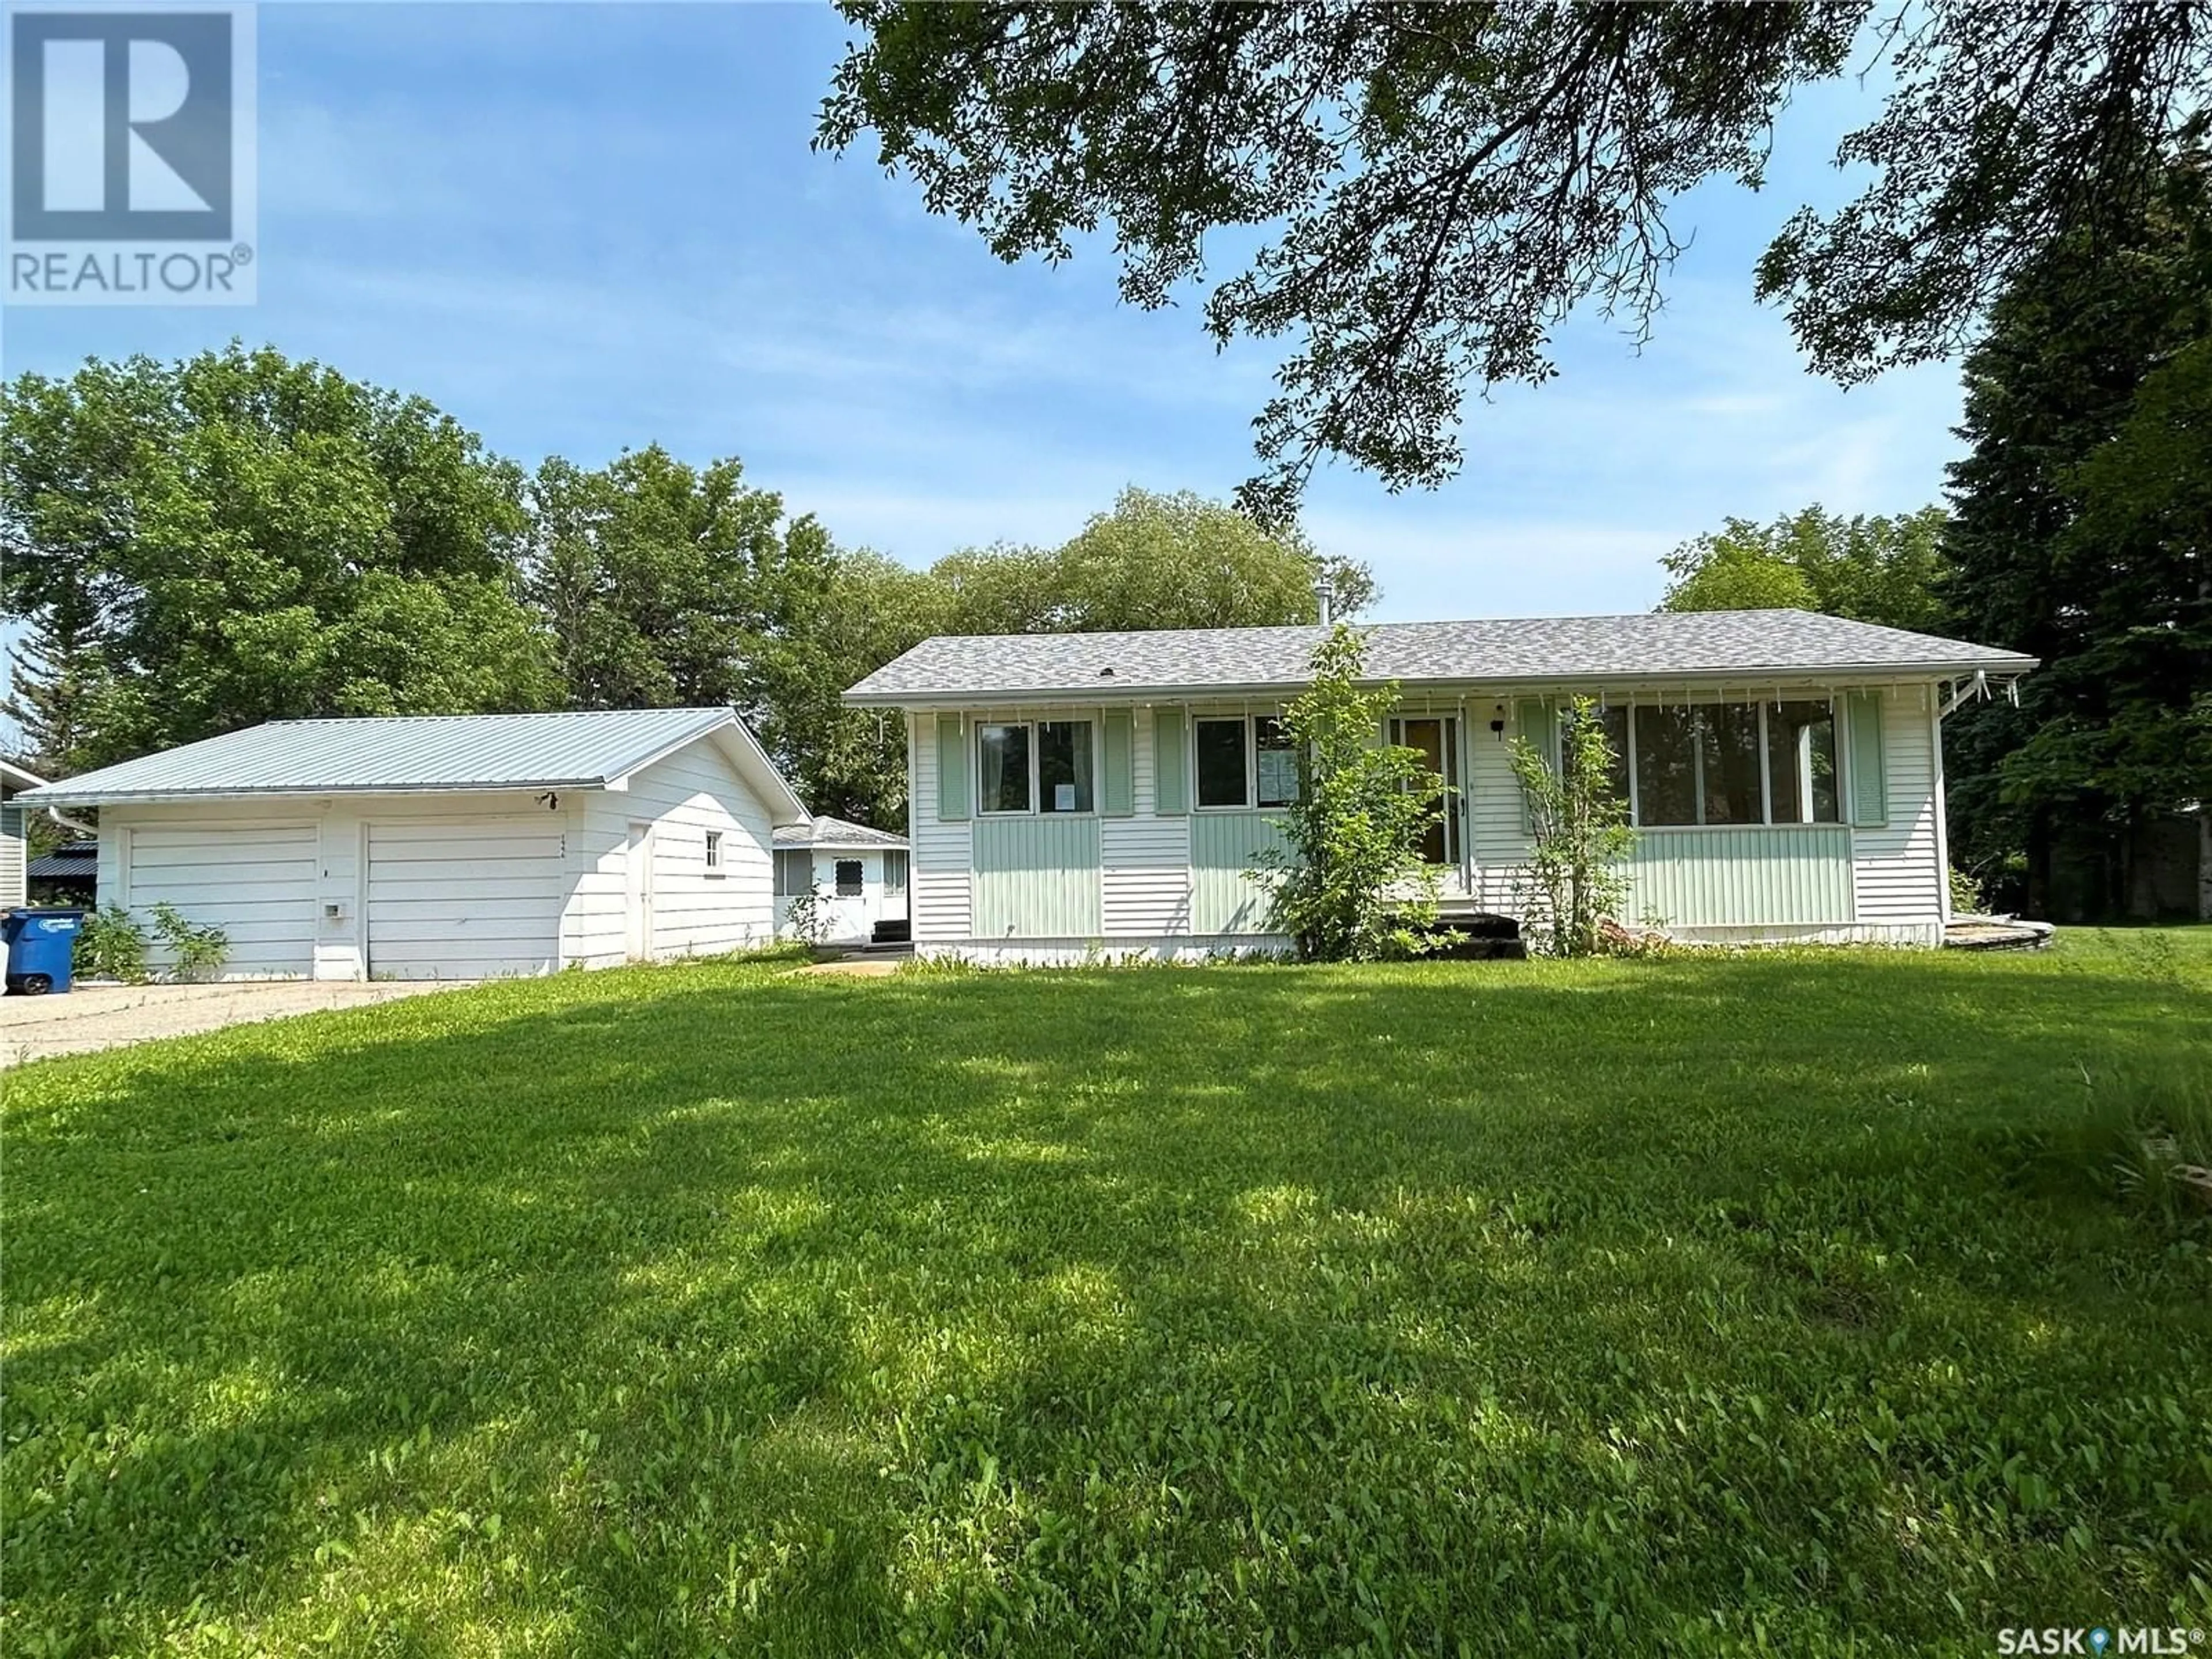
<point x="113" y="1016"/>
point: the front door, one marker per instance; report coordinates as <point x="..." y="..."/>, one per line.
<point x="1436" y="736"/>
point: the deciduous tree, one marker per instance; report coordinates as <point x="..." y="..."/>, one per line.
<point x="201" y="545"/>
<point x="1432" y="188"/>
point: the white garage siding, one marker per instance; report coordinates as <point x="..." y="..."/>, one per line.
<point x="474" y="900"/>
<point x="256" y="881"/>
<point x="696" y="911"/>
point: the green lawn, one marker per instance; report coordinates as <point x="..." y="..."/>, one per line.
<point x="1779" y="1304"/>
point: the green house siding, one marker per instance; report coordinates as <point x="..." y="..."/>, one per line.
<point x="1037" y="877"/>
<point x="1223" y="900"/>
<point x="1772" y="876"/>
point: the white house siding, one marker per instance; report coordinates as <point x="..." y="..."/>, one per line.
<point x="942" y="874"/>
<point x="1147" y="858"/>
<point x="1898" y="877"/>
<point x="12" y="856"/>
<point x="696" y="911"/>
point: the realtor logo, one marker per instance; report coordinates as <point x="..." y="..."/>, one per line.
<point x="131" y="157"/>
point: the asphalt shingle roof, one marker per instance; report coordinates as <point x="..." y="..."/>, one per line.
<point x="827" y="831"/>
<point x="1686" y="645"/>
<point x="573" y="750"/>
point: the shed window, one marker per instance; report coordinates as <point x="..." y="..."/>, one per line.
<point x="794" y="873"/>
<point x="849" y="883"/>
<point x="895" y="874"/>
<point x="713" y="849"/>
<point x="1048" y="767"/>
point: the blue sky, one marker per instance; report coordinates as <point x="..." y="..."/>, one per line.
<point x="578" y="228"/>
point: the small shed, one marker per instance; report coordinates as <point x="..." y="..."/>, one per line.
<point x="450" y="846"/>
<point x="858" y="877"/>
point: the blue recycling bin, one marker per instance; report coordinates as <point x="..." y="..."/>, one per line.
<point x="39" y="945"/>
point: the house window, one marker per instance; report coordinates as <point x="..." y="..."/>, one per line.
<point x="1002" y="769"/>
<point x="714" y="849"/>
<point x="1243" y="762"/>
<point x="1064" y="766"/>
<point x="1048" y="766"/>
<point x="1736" y="764"/>
<point x="1222" y="780"/>
<point x="849" y="883"/>
<point x="1275" y="761"/>
<point x="1801" y="764"/>
<point x="794" y="873"/>
<point x="894" y="874"/>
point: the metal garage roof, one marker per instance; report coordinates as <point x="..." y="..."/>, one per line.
<point x="415" y="753"/>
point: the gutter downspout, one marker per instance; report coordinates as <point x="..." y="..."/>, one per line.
<point x="67" y="823"/>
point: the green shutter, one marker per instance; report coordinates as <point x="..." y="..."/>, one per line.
<point x="1170" y="772"/>
<point x="1118" y="799"/>
<point x="1533" y="720"/>
<point x="1869" y="778"/>
<point x="952" y="792"/>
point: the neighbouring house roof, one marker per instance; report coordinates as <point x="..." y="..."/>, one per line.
<point x="15" y="777"/>
<point x="72" y="858"/>
<point x="426" y="753"/>
<point x="834" y="832"/>
<point x="1565" y="651"/>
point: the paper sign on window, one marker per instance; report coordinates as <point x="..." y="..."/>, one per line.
<point x="1063" y="798"/>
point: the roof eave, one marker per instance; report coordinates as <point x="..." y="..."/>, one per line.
<point x="60" y="794"/>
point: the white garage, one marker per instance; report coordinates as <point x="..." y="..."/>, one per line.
<point x="450" y="846"/>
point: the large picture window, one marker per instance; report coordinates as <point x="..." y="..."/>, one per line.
<point x="1732" y="763"/>
<point x="1045" y="767"/>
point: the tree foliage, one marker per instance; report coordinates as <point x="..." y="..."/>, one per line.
<point x="1154" y="560"/>
<point x="1432" y="188"/>
<point x="663" y="584"/>
<point x="1868" y="567"/>
<point x="2082" y="532"/>
<point x="203" y="545"/>
<point x="1349" y="881"/>
<point x="1579" y="831"/>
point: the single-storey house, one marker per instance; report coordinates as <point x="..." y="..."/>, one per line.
<point x="1105" y="793"/>
<point x="858" y="877"/>
<point x="450" y="846"/>
<point x="13" y="780"/>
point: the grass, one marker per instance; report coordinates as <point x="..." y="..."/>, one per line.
<point x="1775" y="1303"/>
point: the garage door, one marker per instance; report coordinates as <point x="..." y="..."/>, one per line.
<point x="464" y="901"/>
<point x="256" y="883"/>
